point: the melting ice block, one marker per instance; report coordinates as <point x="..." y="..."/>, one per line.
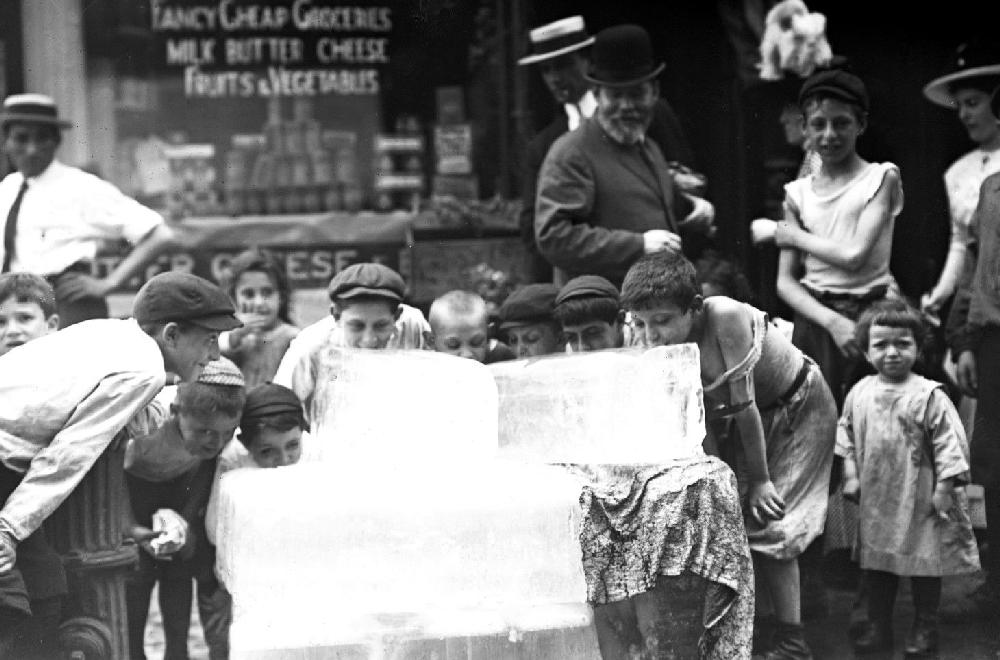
<point x="629" y="406"/>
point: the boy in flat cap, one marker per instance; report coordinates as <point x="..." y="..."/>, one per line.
<point x="460" y="326"/>
<point x="367" y="312"/>
<point x="591" y="317"/>
<point x="63" y="399"/>
<point x="526" y="321"/>
<point x="170" y="463"/>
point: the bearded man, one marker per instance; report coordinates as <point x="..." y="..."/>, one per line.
<point x="605" y="193"/>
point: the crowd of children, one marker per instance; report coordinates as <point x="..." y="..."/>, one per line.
<point x="251" y="383"/>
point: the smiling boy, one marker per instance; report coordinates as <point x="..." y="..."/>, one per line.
<point x="65" y="396"/>
<point x="27" y="309"/>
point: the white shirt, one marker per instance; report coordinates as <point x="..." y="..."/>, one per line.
<point x="65" y="215"/>
<point x="586" y="106"/>
<point x="63" y="398"/>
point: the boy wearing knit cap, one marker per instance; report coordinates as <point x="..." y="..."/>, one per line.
<point x="169" y="466"/>
<point x="526" y="321"/>
<point x="63" y="399"/>
<point x="591" y="317"/>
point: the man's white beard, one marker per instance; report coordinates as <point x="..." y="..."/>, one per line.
<point x="622" y="133"/>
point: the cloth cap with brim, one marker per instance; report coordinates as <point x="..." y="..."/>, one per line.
<point x="622" y="56"/>
<point x="558" y="38"/>
<point x="222" y="372"/>
<point x="31" y="109"/>
<point x="587" y="286"/>
<point x="532" y="303"/>
<point x="268" y="400"/>
<point x="837" y="84"/>
<point x="176" y="296"/>
<point x="367" y="279"/>
<point x="973" y="59"/>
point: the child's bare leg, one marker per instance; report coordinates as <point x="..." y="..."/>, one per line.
<point x="617" y="630"/>
<point x="670" y="616"/>
<point x="781" y="579"/>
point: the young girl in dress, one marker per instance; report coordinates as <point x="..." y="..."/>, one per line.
<point x="260" y="293"/>
<point x="780" y="405"/>
<point x="905" y="460"/>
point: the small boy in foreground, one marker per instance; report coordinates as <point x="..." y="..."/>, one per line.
<point x="460" y="326"/>
<point x="590" y="314"/>
<point x="27" y="309"/>
<point x="526" y="322"/>
<point x="169" y="469"/>
<point x="63" y="399"/>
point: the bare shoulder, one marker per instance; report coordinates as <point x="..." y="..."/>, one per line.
<point x="729" y="320"/>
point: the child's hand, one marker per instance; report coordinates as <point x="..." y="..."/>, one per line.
<point x="943" y="501"/>
<point x="765" y="503"/>
<point x="841" y="330"/>
<point x="143" y="536"/>
<point x="851" y="490"/>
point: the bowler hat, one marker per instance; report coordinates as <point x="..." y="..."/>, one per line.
<point x="532" y="303"/>
<point x="367" y="279"/>
<point x="555" y="39"/>
<point x="622" y="55"/>
<point x="973" y="59"/>
<point x="587" y="286"/>
<point x="836" y="83"/>
<point x="179" y="296"/>
<point x="31" y="108"/>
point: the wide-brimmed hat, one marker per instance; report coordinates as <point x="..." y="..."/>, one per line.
<point x="31" y="108"/>
<point x="973" y="59"/>
<point x="622" y="55"/>
<point x="558" y="38"/>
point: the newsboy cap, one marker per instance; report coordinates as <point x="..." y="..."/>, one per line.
<point x="587" y="286"/>
<point x="838" y="84"/>
<point x="532" y="303"/>
<point x="179" y="296"/>
<point x="367" y="279"/>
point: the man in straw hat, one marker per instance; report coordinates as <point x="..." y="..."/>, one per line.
<point x="973" y="334"/>
<point x="605" y="193"/>
<point x="561" y="52"/>
<point x="54" y="216"/>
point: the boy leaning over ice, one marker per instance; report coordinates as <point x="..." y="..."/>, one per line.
<point x="63" y="399"/>
<point x="169" y="466"/>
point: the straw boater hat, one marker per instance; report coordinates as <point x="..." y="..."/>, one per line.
<point x="622" y="56"/>
<point x="558" y="38"/>
<point x="972" y="60"/>
<point x="31" y="108"/>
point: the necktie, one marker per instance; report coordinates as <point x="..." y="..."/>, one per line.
<point x="10" y="229"/>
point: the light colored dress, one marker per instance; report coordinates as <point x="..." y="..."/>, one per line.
<point x="905" y="437"/>
<point x="799" y="432"/>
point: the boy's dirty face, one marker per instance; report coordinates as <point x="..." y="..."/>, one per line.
<point x="892" y="351"/>
<point x="187" y="351"/>
<point x="463" y="335"/>
<point x="368" y="324"/>
<point x="533" y="340"/>
<point x="272" y="448"/>
<point x="20" y="322"/>
<point x="592" y="335"/>
<point x="206" y="435"/>
<point x="662" y="325"/>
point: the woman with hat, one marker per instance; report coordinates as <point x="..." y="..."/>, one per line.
<point x="966" y="88"/>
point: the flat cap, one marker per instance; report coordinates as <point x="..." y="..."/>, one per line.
<point x="179" y="296"/>
<point x="367" y="279"/>
<point x="587" y="286"/>
<point x="269" y="399"/>
<point x="532" y="303"/>
<point x="836" y="83"/>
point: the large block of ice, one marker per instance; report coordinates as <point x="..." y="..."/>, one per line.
<point x="404" y="407"/>
<point x="629" y="406"/>
<point x="326" y="554"/>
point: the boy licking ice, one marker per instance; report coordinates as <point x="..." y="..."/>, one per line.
<point x="27" y="309"/>
<point x="63" y="399"/>
<point x="460" y="326"/>
<point x="169" y="468"/>
<point x="591" y="317"/>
